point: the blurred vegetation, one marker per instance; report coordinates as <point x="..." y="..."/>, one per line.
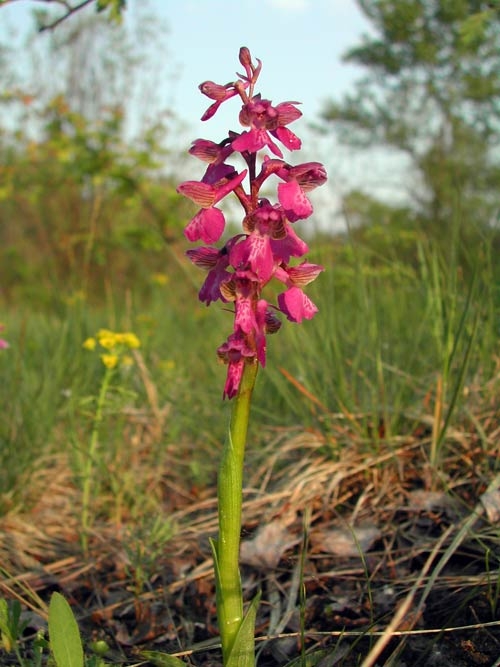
<point x="78" y="192"/>
<point x="91" y="237"/>
<point x="47" y="20"/>
<point x="80" y="200"/>
<point x="429" y="94"/>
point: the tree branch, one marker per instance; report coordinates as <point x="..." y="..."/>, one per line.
<point x="69" y="11"/>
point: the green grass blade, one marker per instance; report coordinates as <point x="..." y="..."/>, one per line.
<point x="159" y="659"/>
<point x="321" y="658"/>
<point x="65" y="640"/>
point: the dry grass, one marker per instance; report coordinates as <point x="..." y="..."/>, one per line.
<point x="397" y="552"/>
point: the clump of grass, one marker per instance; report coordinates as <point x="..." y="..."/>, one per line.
<point x="389" y="333"/>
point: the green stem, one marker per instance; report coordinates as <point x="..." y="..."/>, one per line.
<point x="230" y="493"/>
<point x="91" y="457"/>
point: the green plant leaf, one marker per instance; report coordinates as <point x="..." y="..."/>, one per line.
<point x="11" y="627"/>
<point x="214" y="547"/>
<point x="65" y="640"/>
<point x="322" y="658"/>
<point x="5" y="629"/>
<point x="243" y="651"/>
<point x="159" y="659"/>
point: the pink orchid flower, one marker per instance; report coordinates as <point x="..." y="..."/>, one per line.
<point x="208" y="224"/>
<point x="263" y="249"/>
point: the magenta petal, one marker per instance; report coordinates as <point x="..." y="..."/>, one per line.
<point x="233" y="378"/>
<point x="207" y="225"/>
<point x="251" y="141"/>
<point x="274" y="148"/>
<point x="212" y="109"/>
<point x="205" y="150"/>
<point x="288" y="138"/>
<point x="245" y="316"/>
<point x="291" y="246"/>
<point x="296" y="305"/>
<point x="228" y="187"/>
<point x="210" y="290"/>
<point x="201" y="193"/>
<point x="215" y="91"/>
<point x="217" y="173"/>
<point x="288" y="112"/>
<point x="309" y="175"/>
<point x="304" y="273"/>
<point x="291" y="196"/>
<point x="204" y="257"/>
<point x="256" y="253"/>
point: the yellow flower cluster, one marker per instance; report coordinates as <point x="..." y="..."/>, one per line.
<point x="116" y="345"/>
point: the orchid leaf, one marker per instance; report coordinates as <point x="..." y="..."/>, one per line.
<point x="243" y="652"/>
<point x="65" y="640"/>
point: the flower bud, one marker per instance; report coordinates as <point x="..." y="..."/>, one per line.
<point x="213" y="90"/>
<point x="244" y="57"/>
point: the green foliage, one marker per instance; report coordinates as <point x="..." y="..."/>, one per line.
<point x="388" y="326"/>
<point x="430" y="90"/>
<point x="144" y="546"/>
<point x="80" y="200"/>
<point x="79" y="191"/>
<point x="243" y="650"/>
<point x="64" y="647"/>
<point x="38" y="373"/>
<point x="391" y="306"/>
<point x="45" y="20"/>
<point x="159" y="659"/>
<point x="65" y="642"/>
<point x="11" y="626"/>
<point x="115" y="7"/>
<point x="48" y="377"/>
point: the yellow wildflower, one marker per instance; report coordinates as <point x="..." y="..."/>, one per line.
<point x="109" y="360"/>
<point x="159" y="278"/>
<point x="131" y="340"/>
<point x="107" y="338"/>
<point x="89" y="344"/>
<point x="102" y="333"/>
<point x="114" y="342"/>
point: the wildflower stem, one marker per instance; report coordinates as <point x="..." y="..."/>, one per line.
<point x="91" y="456"/>
<point x="230" y="492"/>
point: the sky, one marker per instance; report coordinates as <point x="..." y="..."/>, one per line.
<point x="300" y="43"/>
